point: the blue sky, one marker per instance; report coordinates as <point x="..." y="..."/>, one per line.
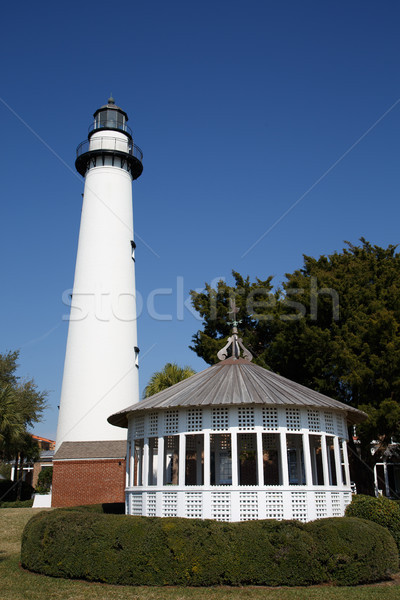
<point x="244" y="111"/>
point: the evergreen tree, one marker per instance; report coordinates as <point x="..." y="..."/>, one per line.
<point x="333" y="325"/>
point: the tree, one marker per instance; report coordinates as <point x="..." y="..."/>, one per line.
<point x="44" y="482"/>
<point x="21" y="405"/>
<point x="254" y="302"/>
<point x="169" y="375"/>
<point x="333" y="325"/>
<point x="11" y="424"/>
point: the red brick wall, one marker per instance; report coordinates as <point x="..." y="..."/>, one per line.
<point x="77" y="482"/>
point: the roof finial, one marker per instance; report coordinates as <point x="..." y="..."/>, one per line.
<point x="234" y="340"/>
<point x="111" y="99"/>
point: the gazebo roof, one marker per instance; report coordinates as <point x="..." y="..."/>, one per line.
<point x="236" y="381"/>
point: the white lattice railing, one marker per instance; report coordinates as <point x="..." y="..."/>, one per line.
<point x="242" y="504"/>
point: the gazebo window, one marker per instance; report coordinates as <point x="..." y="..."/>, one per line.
<point x="138" y="463"/>
<point x="247" y="454"/>
<point x="194" y="468"/>
<point x="295" y="458"/>
<point x="331" y="460"/>
<point x="171" y="460"/>
<point x="153" y="458"/>
<point x="220" y="459"/>
<point x="316" y="460"/>
<point x="271" y="459"/>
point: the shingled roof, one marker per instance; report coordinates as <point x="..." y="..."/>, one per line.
<point x="234" y="382"/>
<point x="88" y="450"/>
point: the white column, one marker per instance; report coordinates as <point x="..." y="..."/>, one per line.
<point x="346" y="462"/>
<point x="325" y="466"/>
<point x="182" y="460"/>
<point x="338" y="462"/>
<point x="198" y="458"/>
<point x="260" y="459"/>
<point x="128" y="464"/>
<point x="132" y="465"/>
<point x="160" y="462"/>
<point x="376" y="481"/>
<point x="311" y="506"/>
<point x="145" y="474"/>
<point x="207" y="458"/>
<point x="284" y="461"/>
<point x="234" y="458"/>
<point x="387" y="487"/>
<point x="307" y="459"/>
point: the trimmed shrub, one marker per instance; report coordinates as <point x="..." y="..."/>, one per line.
<point x="354" y="554"/>
<point x="380" y="510"/>
<point x="173" y="551"/>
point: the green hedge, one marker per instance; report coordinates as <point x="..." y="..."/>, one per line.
<point x="380" y="510"/>
<point x="172" y="551"/>
<point x="17" y="504"/>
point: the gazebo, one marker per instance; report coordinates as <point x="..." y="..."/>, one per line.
<point x="237" y="442"/>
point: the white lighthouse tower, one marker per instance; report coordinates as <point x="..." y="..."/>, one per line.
<point x="101" y="361"/>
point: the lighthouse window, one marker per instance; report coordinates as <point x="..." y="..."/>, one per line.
<point x="110" y="118"/>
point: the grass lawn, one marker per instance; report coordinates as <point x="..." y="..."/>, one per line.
<point x="16" y="584"/>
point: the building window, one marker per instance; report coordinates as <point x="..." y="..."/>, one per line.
<point x="247" y="454"/>
<point x="271" y="459"/>
<point x="330" y="450"/>
<point x="138" y="463"/>
<point x="295" y="458"/>
<point x="194" y="464"/>
<point x="171" y="460"/>
<point x="136" y="350"/>
<point x="316" y="459"/>
<point x="153" y="460"/>
<point x="221" y="459"/>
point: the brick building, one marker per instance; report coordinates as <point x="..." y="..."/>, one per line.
<point x="89" y="473"/>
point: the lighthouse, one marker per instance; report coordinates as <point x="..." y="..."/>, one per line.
<point x="101" y="360"/>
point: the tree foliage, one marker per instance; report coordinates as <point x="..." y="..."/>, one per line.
<point x="333" y="325"/>
<point x="21" y="405"/>
<point x="169" y="375"/>
<point x="253" y="301"/>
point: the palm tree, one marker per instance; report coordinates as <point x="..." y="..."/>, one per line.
<point x="12" y="426"/>
<point x="169" y="375"/>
